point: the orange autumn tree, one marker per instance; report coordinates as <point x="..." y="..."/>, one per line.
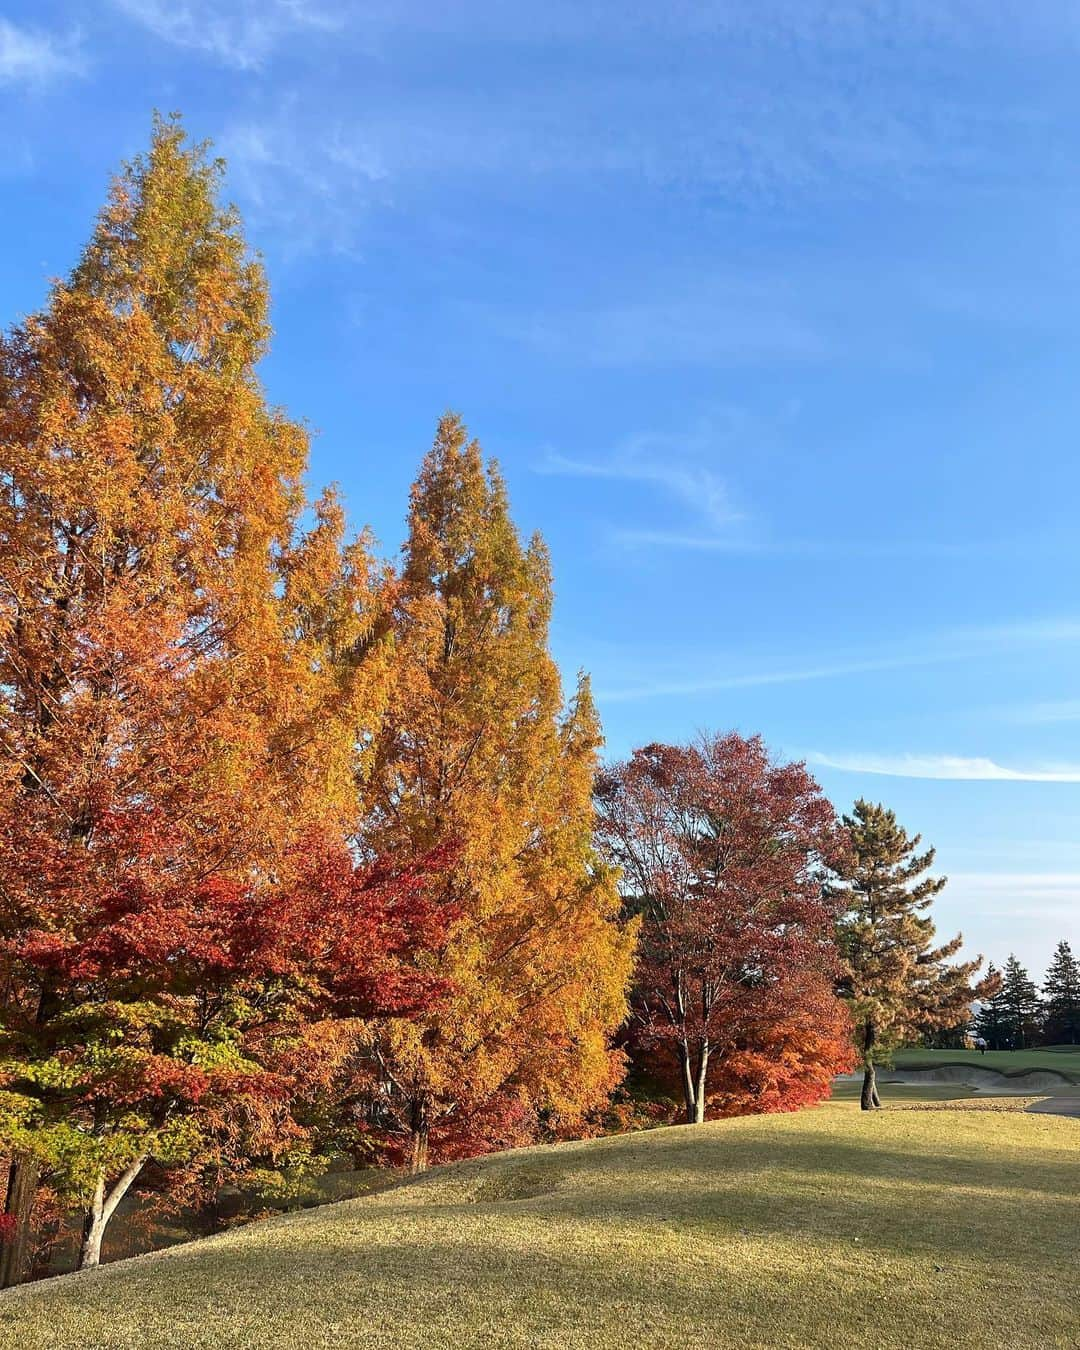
<point x="478" y="749"/>
<point x="185" y="678"/>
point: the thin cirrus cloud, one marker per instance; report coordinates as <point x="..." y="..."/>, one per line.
<point x="1045" y="883"/>
<point x="749" y="680"/>
<point x="679" y="466"/>
<point x="739" y="324"/>
<point x="309" y="193"/>
<point x="949" y="647"/>
<point x="945" y="767"/>
<point x="695" y="486"/>
<point x="31" y="56"/>
<point x="675" y="539"/>
<point x="1062" y="710"/>
<point x="740" y="139"/>
<point x="1033" y="897"/>
<point x="241" y="35"/>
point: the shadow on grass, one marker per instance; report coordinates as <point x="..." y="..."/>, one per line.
<point x="722" y="1156"/>
<point x="727" y="1228"/>
<point x="591" y="1269"/>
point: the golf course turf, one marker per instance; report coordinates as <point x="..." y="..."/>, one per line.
<point x="930" y="1227"/>
<point x="1064" y="1061"/>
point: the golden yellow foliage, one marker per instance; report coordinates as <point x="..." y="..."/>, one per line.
<point x="478" y="748"/>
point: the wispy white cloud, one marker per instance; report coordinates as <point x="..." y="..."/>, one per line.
<point x="951" y="767"/>
<point x="32" y="56"/>
<point x="1026" y="632"/>
<point x="846" y="25"/>
<point x="728" y="321"/>
<point x="1034" y="897"/>
<point x="674" y="539"/>
<point x="312" y="192"/>
<point x="963" y="643"/>
<point x="852" y="26"/>
<point x="651" y="460"/>
<point x="459" y="117"/>
<point x="1044" y="882"/>
<point x="1061" y="710"/>
<point x="715" y="120"/>
<point x="241" y="34"/>
<point x="684" y="467"/>
<point x="708" y="683"/>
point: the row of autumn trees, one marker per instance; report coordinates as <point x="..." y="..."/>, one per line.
<point x="302" y="856"/>
<point x="295" y="850"/>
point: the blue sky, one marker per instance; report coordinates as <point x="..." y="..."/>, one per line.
<point x="768" y="310"/>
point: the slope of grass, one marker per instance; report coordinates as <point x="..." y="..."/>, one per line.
<point x="831" y="1228"/>
<point x="1065" y="1061"/>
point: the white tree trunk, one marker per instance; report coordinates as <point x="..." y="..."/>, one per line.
<point x="699" y="1095"/>
<point x="688" y="1083"/>
<point x="102" y="1208"/>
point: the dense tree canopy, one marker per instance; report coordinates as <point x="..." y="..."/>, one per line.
<point x="1021" y="1005"/>
<point x="991" y="1018"/>
<point x="184" y="676"/>
<point x="478" y="748"/>
<point x="722" y="854"/>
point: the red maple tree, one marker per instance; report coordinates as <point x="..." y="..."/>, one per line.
<point x="177" y="1008"/>
<point x="722" y="853"/>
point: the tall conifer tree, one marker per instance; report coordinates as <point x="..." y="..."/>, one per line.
<point x="1061" y="992"/>
<point x="479" y="749"/>
<point x="899" y="984"/>
<point x="1022" y="1005"/>
<point x="991" y="1020"/>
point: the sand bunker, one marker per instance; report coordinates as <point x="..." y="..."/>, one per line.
<point x="984" y="1079"/>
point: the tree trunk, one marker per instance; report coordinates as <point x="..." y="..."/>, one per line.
<point x="419" y="1129"/>
<point x="101" y="1211"/>
<point x="18" y="1206"/>
<point x="689" y="1093"/>
<point x="694" y="1082"/>
<point x="869" y="1100"/>
<point x="93" y="1229"/>
<point x="702" y="1073"/>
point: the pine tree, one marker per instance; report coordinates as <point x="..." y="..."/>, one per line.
<point x="1021" y="1004"/>
<point x="184" y="677"/>
<point x="1061" y="991"/>
<point x="899" y="984"/>
<point x="478" y="749"/>
<point x="992" y="1018"/>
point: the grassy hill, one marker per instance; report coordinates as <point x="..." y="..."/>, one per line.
<point x="925" y="1227"/>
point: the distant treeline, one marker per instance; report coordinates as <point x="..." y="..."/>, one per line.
<point x="1020" y="1016"/>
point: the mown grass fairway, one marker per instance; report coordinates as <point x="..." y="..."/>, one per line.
<point x="893" y="1094"/>
<point x="1064" y="1060"/>
<point x="903" y="1228"/>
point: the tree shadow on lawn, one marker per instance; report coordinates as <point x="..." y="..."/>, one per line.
<point x="964" y="1202"/>
<point x="965" y="1217"/>
<point x="529" y="1275"/>
<point x="644" y="1220"/>
<point x="709" y="1160"/>
<point x="960" y="1206"/>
